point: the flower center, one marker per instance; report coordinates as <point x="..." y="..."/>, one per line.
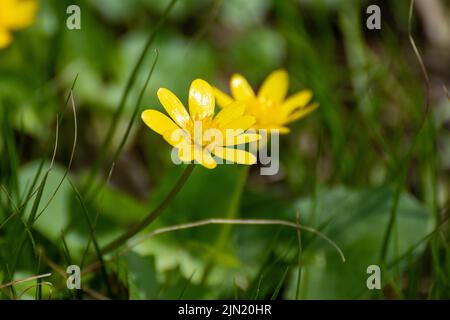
<point x="198" y="130"/>
<point x="265" y="111"/>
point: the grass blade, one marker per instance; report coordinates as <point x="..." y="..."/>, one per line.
<point x="109" y="135"/>
<point x="280" y="285"/>
<point x="93" y="237"/>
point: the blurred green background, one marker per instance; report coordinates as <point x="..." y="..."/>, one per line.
<point x="370" y="168"/>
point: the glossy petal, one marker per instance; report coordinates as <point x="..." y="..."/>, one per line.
<point x="240" y="88"/>
<point x="235" y="155"/>
<point x="231" y="112"/>
<point x="201" y="100"/>
<point x="302" y="113"/>
<point x="222" y="99"/>
<point x="298" y="100"/>
<point x="174" y="107"/>
<point x="158" y="121"/>
<point x="275" y="86"/>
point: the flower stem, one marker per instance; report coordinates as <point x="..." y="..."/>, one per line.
<point x="153" y="214"/>
<point x="225" y="230"/>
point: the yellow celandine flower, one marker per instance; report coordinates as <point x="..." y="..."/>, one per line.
<point x="270" y="107"/>
<point x="15" y="15"/>
<point x="198" y="133"/>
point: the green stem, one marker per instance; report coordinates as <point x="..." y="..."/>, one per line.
<point x="152" y="215"/>
<point x="225" y="231"/>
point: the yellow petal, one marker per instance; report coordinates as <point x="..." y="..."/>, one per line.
<point x="174" y="107"/>
<point x="302" y="112"/>
<point x="222" y="99"/>
<point x="243" y="122"/>
<point x="273" y="128"/>
<point x="275" y="86"/>
<point x="17" y="14"/>
<point x="236" y="127"/>
<point x="240" y="139"/>
<point x="228" y="114"/>
<point x="298" y="100"/>
<point x="203" y="157"/>
<point x="5" y="38"/>
<point x="158" y="121"/>
<point x="281" y="130"/>
<point x="235" y="155"/>
<point x="201" y="100"/>
<point x="240" y="88"/>
<point x="186" y="152"/>
<point x="177" y="137"/>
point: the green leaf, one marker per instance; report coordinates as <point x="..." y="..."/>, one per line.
<point x="356" y="221"/>
<point x="142" y="276"/>
<point x="244" y="14"/>
<point x="55" y="217"/>
<point x="257" y="53"/>
<point x="119" y="206"/>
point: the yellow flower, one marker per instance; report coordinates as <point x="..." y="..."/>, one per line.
<point x="15" y="15"/>
<point x="198" y="133"/>
<point x="270" y="107"/>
